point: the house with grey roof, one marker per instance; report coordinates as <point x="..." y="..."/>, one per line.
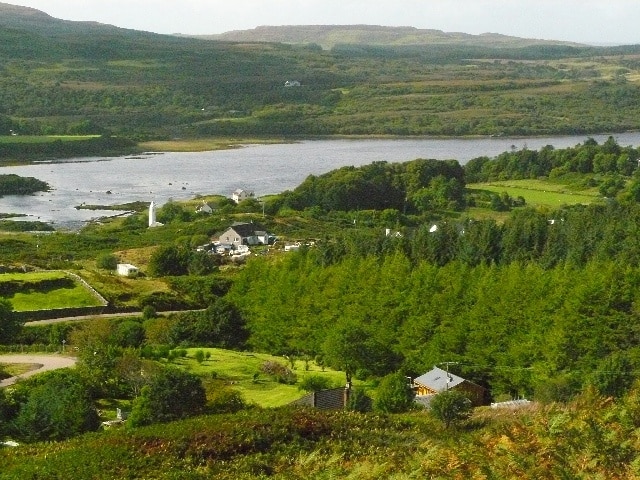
<point x="243" y="233"/>
<point x="438" y="380"/>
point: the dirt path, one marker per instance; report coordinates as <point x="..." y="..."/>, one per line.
<point x="41" y="363"/>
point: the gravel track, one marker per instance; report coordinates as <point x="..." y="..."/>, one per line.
<point x="42" y="363"/>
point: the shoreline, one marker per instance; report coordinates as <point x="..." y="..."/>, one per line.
<point x="204" y="144"/>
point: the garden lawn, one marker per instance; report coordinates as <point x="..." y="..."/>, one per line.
<point x="237" y="369"/>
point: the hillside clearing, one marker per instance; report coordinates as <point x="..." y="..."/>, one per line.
<point x="539" y="192"/>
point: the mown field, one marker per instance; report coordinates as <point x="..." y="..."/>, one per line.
<point x="540" y="193"/>
<point x="238" y="370"/>
<point x="44" y="291"/>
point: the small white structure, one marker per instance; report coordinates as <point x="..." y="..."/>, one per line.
<point x="127" y="270"/>
<point x="292" y="83"/>
<point x="239" y="195"/>
<point x="152" y="216"/>
<point x="294" y="247"/>
<point x="519" y="403"/>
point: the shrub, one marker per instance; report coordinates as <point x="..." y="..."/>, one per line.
<point x="450" y="407"/>
<point x="199" y="356"/>
<point x="225" y="400"/>
<point x="314" y="383"/>
<point x="163" y="301"/>
<point x="107" y="261"/>
<point x="148" y="312"/>
<point x="394" y="394"/>
<point x="359" y="401"/>
<point x="58" y="406"/>
<point x="171" y="394"/>
<point x="280" y="373"/>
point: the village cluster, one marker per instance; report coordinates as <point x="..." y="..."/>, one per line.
<point x="234" y="242"/>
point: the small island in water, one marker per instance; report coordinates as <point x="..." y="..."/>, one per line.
<point x="12" y="184"/>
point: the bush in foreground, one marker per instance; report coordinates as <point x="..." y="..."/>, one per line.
<point x="172" y="394"/>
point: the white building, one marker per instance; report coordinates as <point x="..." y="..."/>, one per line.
<point x="127" y="270"/>
<point x="239" y="195"/>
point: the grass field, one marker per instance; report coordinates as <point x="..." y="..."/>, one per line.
<point x="43" y="138"/>
<point x="201" y="144"/>
<point x="237" y="369"/>
<point x="540" y="193"/>
<point x="31" y="299"/>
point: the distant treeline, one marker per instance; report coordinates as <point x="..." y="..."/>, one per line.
<point x="577" y="235"/>
<point x="103" y="145"/>
<point x="446" y="53"/>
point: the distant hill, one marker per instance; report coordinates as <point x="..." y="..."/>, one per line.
<point x="329" y="36"/>
<point x="36" y="21"/>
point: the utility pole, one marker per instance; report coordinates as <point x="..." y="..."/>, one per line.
<point x="447" y="364"/>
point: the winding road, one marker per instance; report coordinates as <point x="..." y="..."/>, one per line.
<point x="41" y="363"/>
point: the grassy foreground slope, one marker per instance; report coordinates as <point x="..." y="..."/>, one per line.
<point x="592" y="437"/>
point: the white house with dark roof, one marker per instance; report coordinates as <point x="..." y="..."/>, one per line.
<point x="245" y="234"/>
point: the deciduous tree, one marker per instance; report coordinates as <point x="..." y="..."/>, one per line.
<point x="450" y="407"/>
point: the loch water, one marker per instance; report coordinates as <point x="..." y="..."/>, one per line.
<point x="265" y="169"/>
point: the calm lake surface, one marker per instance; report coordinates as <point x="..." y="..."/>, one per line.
<point x="264" y="169"/>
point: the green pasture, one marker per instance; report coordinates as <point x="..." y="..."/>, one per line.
<point x="43" y="138"/>
<point x="203" y="144"/>
<point x="237" y="370"/>
<point x="539" y="192"/>
<point x="31" y="299"/>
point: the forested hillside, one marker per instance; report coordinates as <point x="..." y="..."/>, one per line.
<point x="62" y="77"/>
